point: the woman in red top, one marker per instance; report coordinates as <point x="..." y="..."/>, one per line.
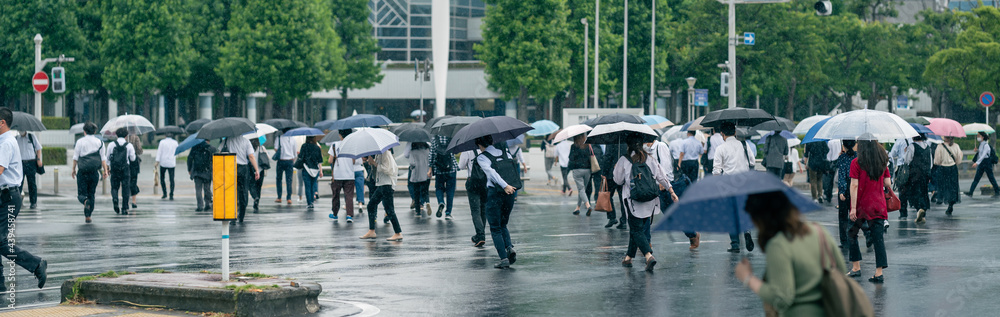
<point x="869" y="181"/>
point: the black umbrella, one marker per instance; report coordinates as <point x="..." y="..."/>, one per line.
<point x="501" y="128"/>
<point x="620" y="133"/>
<point x="281" y="124"/>
<point x="414" y="135"/>
<point x="430" y="123"/>
<point x="332" y="136"/>
<point x="739" y="116"/>
<point x="196" y="125"/>
<point x="226" y="128"/>
<point x="448" y="127"/>
<point x="407" y="126"/>
<point x="778" y="124"/>
<point x="324" y="125"/>
<point x="300" y="124"/>
<point x="615" y="118"/>
<point x="170" y="129"/>
<point x="360" y="121"/>
<point x="26" y="122"/>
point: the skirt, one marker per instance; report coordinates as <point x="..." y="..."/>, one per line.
<point x="947" y="184"/>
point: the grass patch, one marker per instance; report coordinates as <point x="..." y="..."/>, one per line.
<point x="237" y="289"/>
<point x="74" y="295"/>
<point x="251" y="274"/>
<point x="160" y="271"/>
<point x="113" y="274"/>
<point x="209" y="272"/>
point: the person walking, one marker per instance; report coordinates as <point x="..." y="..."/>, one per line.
<point x="594" y="186"/>
<point x="579" y="164"/>
<point x="690" y="148"/>
<point x="817" y="165"/>
<point x="418" y="182"/>
<point x="792" y="165"/>
<point x="247" y="171"/>
<point x="284" y="157"/>
<point x="343" y="180"/>
<point x="385" y="182"/>
<point x="167" y="162"/>
<point x="775" y="154"/>
<point x="869" y="182"/>
<point x="833" y="151"/>
<point x="983" y="162"/>
<point x="640" y="197"/>
<point x="311" y="157"/>
<point x="11" y="177"/>
<point x="733" y="157"/>
<point x="31" y="160"/>
<point x="444" y="167"/>
<point x="947" y="157"/>
<point x="797" y="254"/>
<point x="135" y="166"/>
<point x="502" y="183"/>
<point x="847" y="155"/>
<point x="199" y="165"/>
<point x="475" y="187"/>
<point x="919" y="161"/>
<point x="89" y="155"/>
<point x="562" y="157"/>
<point x="263" y="164"/>
<point x="708" y="156"/>
<point x="612" y="153"/>
<point x="121" y="156"/>
<point x="550" y="159"/>
<point x="661" y="153"/>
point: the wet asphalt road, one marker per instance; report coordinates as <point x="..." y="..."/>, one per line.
<point x="567" y="265"/>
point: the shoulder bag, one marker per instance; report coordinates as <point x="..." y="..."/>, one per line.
<point x="603" y="197"/>
<point x="277" y="150"/>
<point x="842" y="296"/>
<point x="892" y="202"/>
<point x="594" y="166"/>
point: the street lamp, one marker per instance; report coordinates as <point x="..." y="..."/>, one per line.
<point x="892" y="100"/>
<point x="652" y="63"/>
<point x="690" y="81"/>
<point x="586" y="54"/>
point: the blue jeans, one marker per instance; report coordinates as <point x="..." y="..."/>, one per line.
<point x="359" y="186"/>
<point x="498" y="208"/>
<point x="445" y="183"/>
<point x="312" y="186"/>
<point x="284" y="167"/>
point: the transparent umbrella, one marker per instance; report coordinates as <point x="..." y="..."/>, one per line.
<point x="135" y="124"/>
<point x="883" y="126"/>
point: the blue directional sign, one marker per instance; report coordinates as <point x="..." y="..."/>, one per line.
<point x="902" y="102"/>
<point x="701" y="97"/>
<point x="749" y="38"/>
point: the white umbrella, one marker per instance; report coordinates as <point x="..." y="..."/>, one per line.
<point x="367" y="142"/>
<point x="974" y="128"/>
<point x="881" y="125"/>
<point x="262" y="130"/>
<point x="807" y="123"/>
<point x="135" y="124"/>
<point x="571" y="131"/>
<point x="417" y="113"/>
<point x="675" y="133"/>
<point x="76" y="129"/>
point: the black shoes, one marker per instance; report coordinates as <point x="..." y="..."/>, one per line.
<point x="968" y="194"/>
<point x="576" y="212"/>
<point x="950" y="209"/>
<point x="650" y="263"/>
<point x="199" y="209"/>
<point x="385" y="219"/>
<point x="733" y="250"/>
<point x="124" y="211"/>
<point x="33" y="206"/>
<point x="171" y="197"/>
<point x="440" y="210"/>
<point x="134" y="206"/>
<point x="853" y="273"/>
<point x="512" y="255"/>
<point x="117" y="210"/>
<point x="749" y="238"/>
<point x="877" y="279"/>
<point x="590" y="209"/>
<point x="611" y="223"/>
<point x="503" y="264"/>
<point x="40" y="274"/>
<point x="621" y="225"/>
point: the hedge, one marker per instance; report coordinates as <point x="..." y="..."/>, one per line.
<point x="54" y="155"/>
<point x="56" y="123"/>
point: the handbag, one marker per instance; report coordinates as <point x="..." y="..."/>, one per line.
<point x="842" y="296"/>
<point x="277" y="150"/>
<point x="594" y="166"/>
<point x="891" y="201"/>
<point x="603" y="197"/>
<point x="40" y="170"/>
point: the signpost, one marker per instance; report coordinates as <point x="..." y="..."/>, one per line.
<point x="39" y="65"/>
<point x="749" y="38"/>
<point x="701" y="97"/>
<point x="987" y="99"/>
<point x="902" y="102"/>
<point x="40" y="81"/>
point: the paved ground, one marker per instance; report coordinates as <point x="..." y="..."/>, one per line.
<point x="567" y="265"/>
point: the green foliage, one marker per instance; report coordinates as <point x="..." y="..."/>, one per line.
<point x="160" y="271"/>
<point x="56" y="123"/>
<point x="54" y="155"/>
<point x="56" y="21"/>
<point x="251" y="274"/>
<point x="113" y="274"/>
<point x="74" y="294"/>
<point x="970" y="67"/>
<point x="361" y="70"/>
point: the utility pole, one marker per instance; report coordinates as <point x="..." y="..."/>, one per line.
<point x="39" y="65"/>
<point x="624" y="98"/>
<point x="732" y="54"/>
<point x="597" y="51"/>
<point x="652" y="64"/>
<point x="586" y="56"/>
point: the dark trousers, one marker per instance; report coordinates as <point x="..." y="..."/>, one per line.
<point x="203" y="192"/>
<point x="565" y="175"/>
<point x="348" y="186"/>
<point x="477" y="204"/>
<point x="734" y="239"/>
<point x="708" y="166"/>
<point x="690" y="168"/>
<point x="255" y="190"/>
<point x="638" y="235"/>
<point x="777" y="171"/>
<point x="844" y="220"/>
<point x="30" y="169"/>
<point x="594" y="185"/>
<point x="420" y="192"/>
<point x="382" y="194"/>
<point x="86" y="187"/>
<point x="163" y="180"/>
<point x="284" y="168"/>
<point x="828" y="176"/>
<point x="877" y="230"/>
<point x="444" y="185"/>
<point x="498" y="207"/>
<point x="134" y="179"/>
<point x="244" y="177"/>
<point x="915" y="195"/>
<point x="988" y="170"/>
<point x="665" y="202"/>
<point x="10" y="201"/>
<point x="120" y="180"/>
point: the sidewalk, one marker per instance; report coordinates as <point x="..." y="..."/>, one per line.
<point x="89" y="310"/>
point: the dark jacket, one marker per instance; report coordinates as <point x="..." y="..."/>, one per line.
<point x="199" y="163"/>
<point x="311" y="155"/>
<point x="579" y="158"/>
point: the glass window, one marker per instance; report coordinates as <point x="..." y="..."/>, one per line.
<point x="460" y="2"/>
<point x="421" y="1"/>
<point x="477" y="4"/>
<point x="422" y="21"/>
<point x="393" y="55"/>
<point x="391" y="32"/>
<point x="420" y="43"/>
<point x="420" y="9"/>
<point x="388" y="43"/>
<point x="458" y="34"/>
<point x="420" y="55"/>
<point x="459" y="12"/>
<point x="459" y="23"/>
<point x="420" y="32"/>
<point x="477" y="13"/>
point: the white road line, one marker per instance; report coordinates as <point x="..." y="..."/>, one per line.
<point x="366" y="310"/>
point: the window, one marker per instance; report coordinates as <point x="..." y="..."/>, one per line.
<point x="477" y="13"/>
<point x="459" y="23"/>
<point x="460" y="2"/>
<point x="459" y="12"/>
<point x="422" y="21"/>
<point x="420" y="43"/>
<point x="392" y="55"/>
<point x="420" y="32"/>
<point x="420" y="9"/>
<point x="391" y="32"/>
<point x="389" y="43"/>
<point x="458" y="34"/>
<point x="420" y="55"/>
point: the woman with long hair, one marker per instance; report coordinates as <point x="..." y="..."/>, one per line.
<point x="869" y="183"/>
<point x="794" y="250"/>
<point x="311" y="157"/>
<point x="946" y="159"/>
<point x="640" y="213"/>
<point x="843" y="163"/>
<point x="579" y="164"/>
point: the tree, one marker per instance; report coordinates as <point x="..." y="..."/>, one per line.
<point x="970" y="67"/>
<point x="206" y="22"/>
<point x="361" y="70"/>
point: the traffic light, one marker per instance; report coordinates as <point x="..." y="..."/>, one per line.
<point x="58" y="80"/>
<point x="823" y="7"/>
<point x="724" y="85"/>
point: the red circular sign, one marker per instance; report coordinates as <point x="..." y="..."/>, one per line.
<point x="40" y="81"/>
<point x="987" y="99"/>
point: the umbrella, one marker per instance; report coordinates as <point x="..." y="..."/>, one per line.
<point x="570" y="132"/>
<point x="694" y="125"/>
<point x="615" y="118"/>
<point x="414" y="135"/>
<point x="188" y="143"/>
<point x="135" y="124"/>
<point x="515" y="141"/>
<point x="431" y="122"/>
<point x="778" y="124"/>
<point x="360" y="121"/>
<point x="946" y="127"/>
<point x="367" y="142"/>
<point x="304" y="131"/>
<point x="501" y="128"/>
<point x="807" y="123"/>
<point x="196" y="125"/>
<point x="543" y="127"/>
<point x="448" y="127"/>
<point x="226" y="128"/>
<point x="918" y="120"/>
<point x="974" y="128"/>
<point x="331" y="137"/>
<point x="811" y="134"/>
<point x="657" y="122"/>
<point x="26" y="122"/>
<point x="170" y="129"/>
<point x="406" y="126"/>
<point x="300" y="124"/>
<point x="262" y="129"/>
<point x="417" y="113"/>
<point x="76" y="128"/>
<point x="325" y="124"/>
<point x="678" y="133"/>
<point x="884" y="126"/>
<point x="617" y="133"/>
<point x="739" y="116"/>
<point x="921" y="128"/>
<point x="718" y="203"/>
<point x="281" y="124"/>
<point x="787" y="135"/>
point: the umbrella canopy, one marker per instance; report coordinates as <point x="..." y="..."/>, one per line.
<point x="188" y="143"/>
<point x="791" y="138"/>
<point x="811" y="134"/>
<point x="678" y="133"/>
<point x="414" y="135"/>
<point x="884" y="126"/>
<point x="196" y="125"/>
<point x="918" y="120"/>
<point x="694" y="125"/>
<point x="367" y="142"/>
<point x="515" y="141"/>
<point x="615" y="118"/>
<point x="657" y="122"/>
<point x="135" y="124"/>
<point x="304" y="131"/>
<point x="360" y="121"/>
<point x="331" y="137"/>
<point x="170" y="129"/>
<point x="571" y="131"/>
<point x="76" y="128"/>
<point x="407" y="126"/>
<point x="226" y="128"/>
<point x="543" y="127"/>
<point x="448" y="127"/>
<point x="324" y="125"/>
<point x="739" y="116"/>
<point x="921" y="128"/>
<point x="974" y="128"/>
<point x="718" y="203"/>
<point x="417" y="113"/>
<point x="501" y="128"/>
<point x="946" y="127"/>
<point x="262" y="129"/>
<point x="618" y="133"/>
<point x="26" y="122"/>
<point x="281" y="124"/>
<point x="807" y="123"/>
<point x="432" y="121"/>
<point x="778" y="124"/>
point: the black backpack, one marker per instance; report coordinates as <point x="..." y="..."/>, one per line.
<point x="442" y="160"/>
<point x="506" y="169"/>
<point x="477" y="178"/>
<point x="201" y="158"/>
<point x="642" y="186"/>
<point x="119" y="158"/>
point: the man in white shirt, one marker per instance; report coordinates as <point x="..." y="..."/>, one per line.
<point x="343" y="179"/>
<point x="244" y="175"/>
<point x="500" y="197"/>
<point x="733" y="157"/>
<point x="714" y="142"/>
<point x="89" y="156"/>
<point x="31" y="160"/>
<point x="286" y="154"/>
<point x="167" y="161"/>
<point x="562" y="155"/>
<point x="983" y="164"/>
<point x="121" y="154"/>
<point x="691" y="149"/>
<point x="10" y="201"/>
<point x="835" y="148"/>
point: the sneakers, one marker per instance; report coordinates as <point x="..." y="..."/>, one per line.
<point x="427" y="207"/>
<point x="920" y="216"/>
<point x="447" y="217"/>
<point x="350" y="220"/>
<point x="503" y="264"/>
<point x="309" y="207"/>
<point x="950" y="209"/>
<point x="333" y="217"/>
<point x="511" y="255"/>
<point x="733" y="250"/>
<point x="440" y="210"/>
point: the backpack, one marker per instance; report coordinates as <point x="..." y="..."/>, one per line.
<point x="200" y="158"/>
<point x="442" y="160"/>
<point x="642" y="186"/>
<point x="506" y="169"/>
<point x="992" y="159"/>
<point x="477" y="178"/>
<point x="119" y="158"/>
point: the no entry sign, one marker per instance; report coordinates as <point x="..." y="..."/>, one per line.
<point x="40" y="81"/>
<point x="987" y="99"/>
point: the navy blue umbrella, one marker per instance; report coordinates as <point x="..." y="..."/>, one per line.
<point x="811" y="135"/>
<point x="501" y="128"/>
<point x="188" y="143"/>
<point x="304" y="131"/>
<point x="359" y="121"/>
<point x="921" y="128"/>
<point x="324" y="125"/>
<point x="718" y="203"/>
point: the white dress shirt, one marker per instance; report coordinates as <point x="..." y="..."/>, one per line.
<point x="165" y="153"/>
<point x="562" y="151"/>
<point x="984" y="151"/>
<point x="675" y="149"/>
<point x="87" y="145"/>
<point x="128" y="149"/>
<point x="239" y="146"/>
<point x="28" y="145"/>
<point x="287" y="147"/>
<point x="623" y="174"/>
<point x="343" y="167"/>
<point x="661" y="153"/>
<point x="716" y="140"/>
<point x="731" y="158"/>
<point x="10" y="160"/>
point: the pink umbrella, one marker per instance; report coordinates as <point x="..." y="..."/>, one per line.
<point x="946" y="127"/>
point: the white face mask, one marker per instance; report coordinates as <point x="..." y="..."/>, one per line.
<point x="980" y="139"/>
<point x="647" y="148"/>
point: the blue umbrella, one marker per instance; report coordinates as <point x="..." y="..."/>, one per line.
<point x="543" y="127"/>
<point x="810" y="136"/>
<point x="304" y="131"/>
<point x="324" y="125"/>
<point x="786" y="134"/>
<point x="718" y="203"/>
<point x="921" y="128"/>
<point x="188" y="143"/>
<point x="515" y="141"/>
<point x="359" y="121"/>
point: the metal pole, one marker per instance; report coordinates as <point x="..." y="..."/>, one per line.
<point x="423" y="112"/>
<point x="55" y="180"/>
<point x="732" y="54"/>
<point x="225" y="250"/>
<point x="38" y="67"/>
<point x="597" y="50"/>
<point x="624" y="99"/>
<point x="652" y="64"/>
<point x="586" y="56"/>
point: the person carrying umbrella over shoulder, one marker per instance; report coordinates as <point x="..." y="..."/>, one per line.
<point x="31" y="160"/>
<point x="734" y="157"/>
<point x="89" y="154"/>
<point x="640" y="196"/>
<point x="244" y="174"/>
<point x="167" y="161"/>
<point x="11" y="202"/>
<point x="502" y="183"/>
<point x="983" y="162"/>
<point x="200" y="168"/>
<point x="385" y="182"/>
<point x="120" y="158"/>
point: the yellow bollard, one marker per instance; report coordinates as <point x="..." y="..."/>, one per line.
<point x="224" y="200"/>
